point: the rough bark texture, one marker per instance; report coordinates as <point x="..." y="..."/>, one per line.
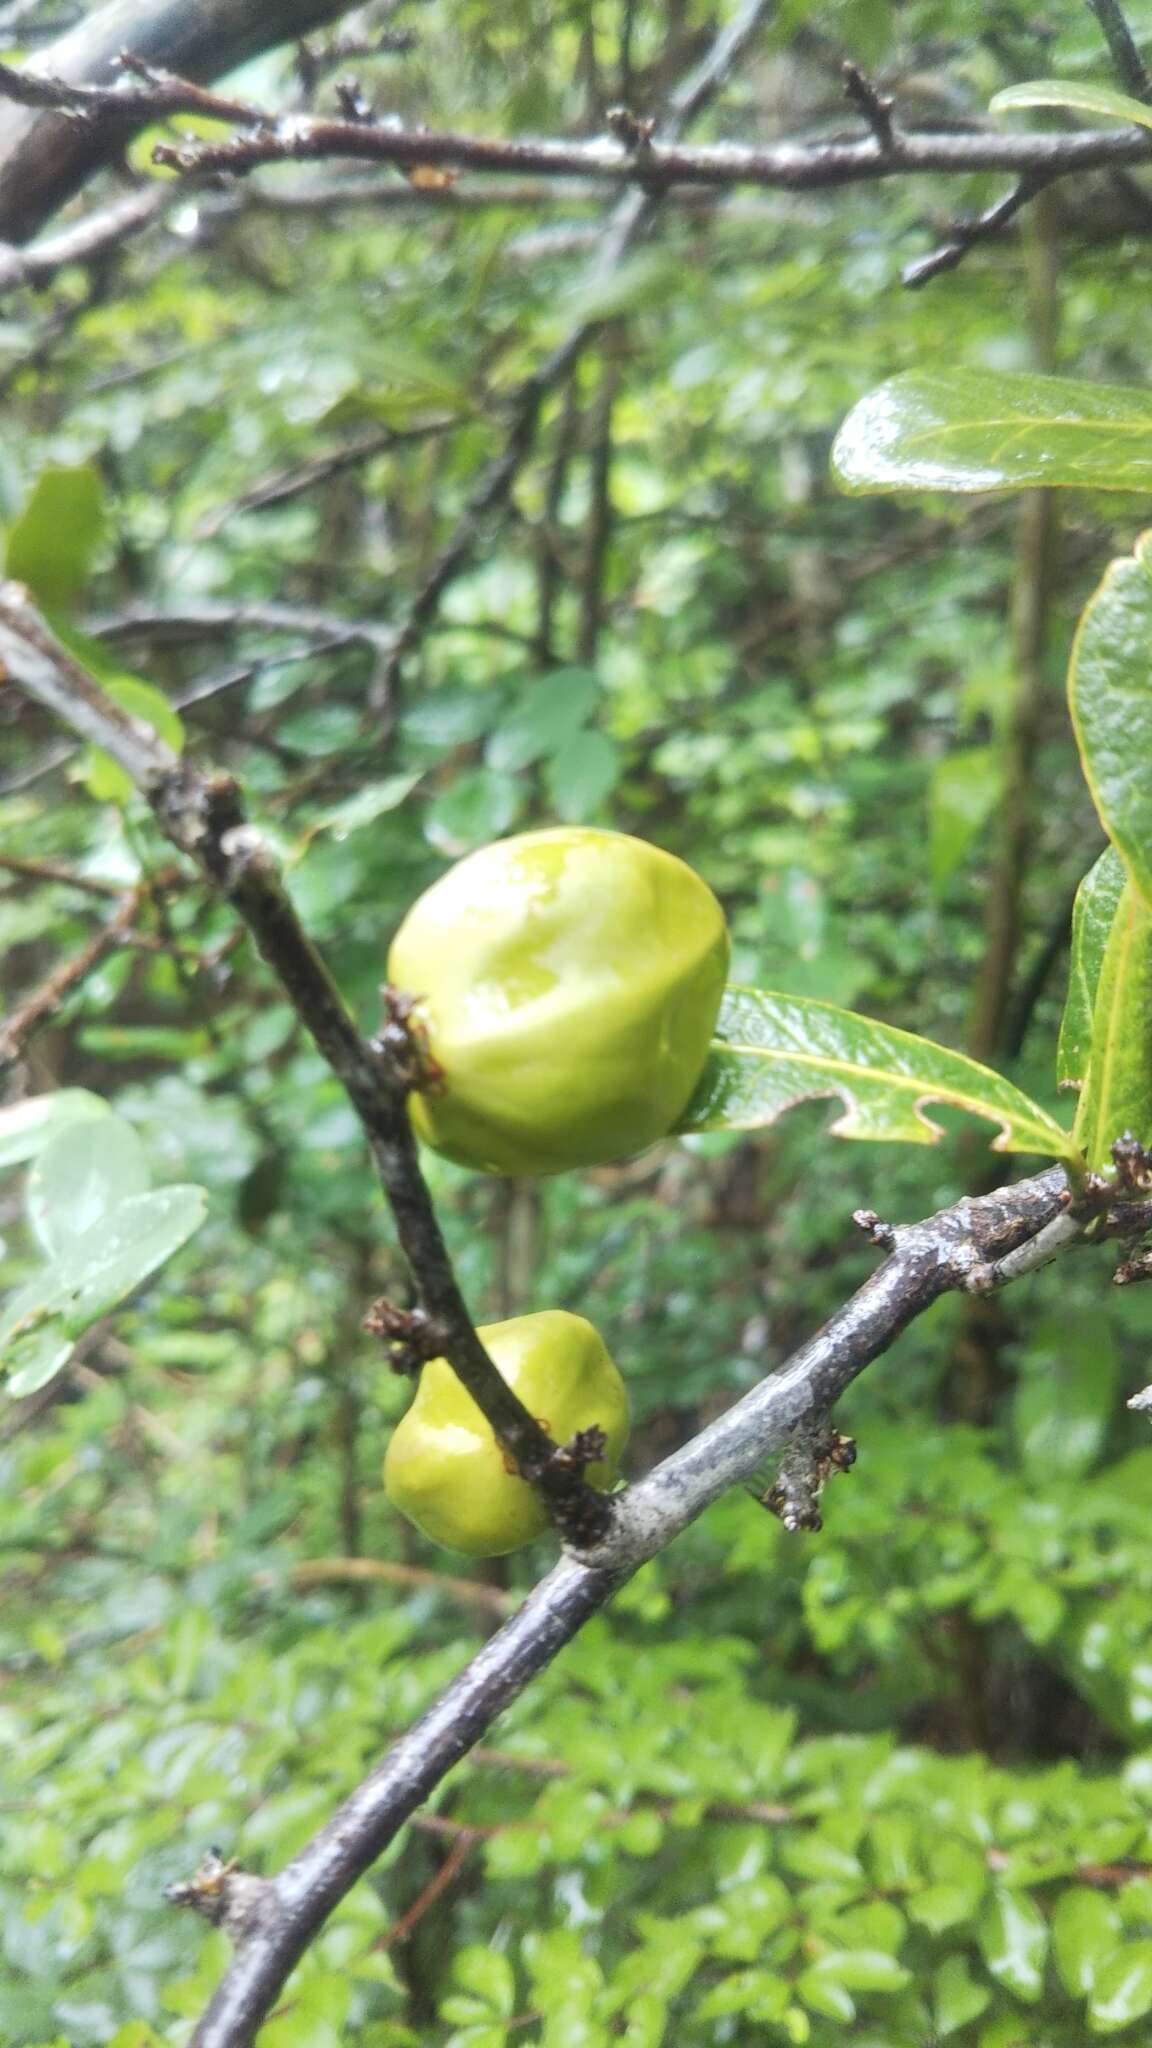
<point x="46" y="157"/>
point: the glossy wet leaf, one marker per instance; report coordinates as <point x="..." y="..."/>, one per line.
<point x="81" y="1176"/>
<point x="1099" y="101"/>
<point x="1122" y="1991"/>
<point x="26" y="1127"/>
<point x="775" y="1050"/>
<point x="1116" y="1097"/>
<point x="995" y="430"/>
<point x="1097" y="901"/>
<point x="957" y="1996"/>
<point x="1110" y="695"/>
<point x="100" y="1269"/>
<point x="1013" y="1937"/>
<point x="1085" y="1927"/>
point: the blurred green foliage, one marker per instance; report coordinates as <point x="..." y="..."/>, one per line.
<point x="889" y="1784"/>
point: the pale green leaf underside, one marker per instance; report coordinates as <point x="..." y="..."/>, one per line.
<point x="1117" y="1094"/>
<point x="1097" y="900"/>
<point x="775" y="1050"/>
<point x="99" y="1270"/>
<point x="1110" y="694"/>
<point x="1097" y="100"/>
<point x="995" y="430"/>
<point x="26" y="1127"/>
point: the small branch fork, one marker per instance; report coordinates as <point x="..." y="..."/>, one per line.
<point x="657" y="163"/>
<point x="203" y="815"/>
<point x="978" y="1243"/>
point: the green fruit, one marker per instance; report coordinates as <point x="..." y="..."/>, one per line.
<point x="445" y="1470"/>
<point x="570" y="982"/>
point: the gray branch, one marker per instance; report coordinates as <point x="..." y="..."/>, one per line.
<point x="45" y="157"/>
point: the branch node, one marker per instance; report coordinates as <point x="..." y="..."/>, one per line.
<point x="1133" y="1165"/>
<point x="410" y="1336"/>
<point x="353" y="104"/>
<point x="634" y="133"/>
<point x="402" y="1043"/>
<point x="875" y="106"/>
<point x="879" y="1233"/>
<point x="807" y="1464"/>
<point x="228" y="1897"/>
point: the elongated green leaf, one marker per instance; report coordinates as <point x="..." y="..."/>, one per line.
<point x="1097" y="901"/>
<point x="1117" y="1092"/>
<point x="963" y="791"/>
<point x="995" y="430"/>
<point x="51" y="545"/>
<point x="1097" y="100"/>
<point x="1013" y="1936"/>
<point x="83" y="1174"/>
<point x="1085" y="1930"/>
<point x="27" y="1126"/>
<point x="776" y="1050"/>
<point x="1110" y="694"/>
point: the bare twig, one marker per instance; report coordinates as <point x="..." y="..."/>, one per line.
<point x="1127" y="62"/>
<point x="312" y="1572"/>
<point x="928" y="1259"/>
<point x="965" y="234"/>
<point x="627" y="222"/>
<point x="85" y="241"/>
<point x="43" y="1003"/>
<point x="204" y="816"/>
<point x="875" y="106"/>
<point x="286" y="484"/>
<point x="50" y="871"/>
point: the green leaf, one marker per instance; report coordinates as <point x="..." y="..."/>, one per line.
<point x="27" y="1126"/>
<point x="825" y="1995"/>
<point x="1066" y="1395"/>
<point x="1110" y="694"/>
<point x="1117" y="1093"/>
<point x="1075" y="99"/>
<point x="995" y="430"/>
<point x="962" y="793"/>
<point x="1097" y="901"/>
<point x="864" y="1969"/>
<point x="368" y="804"/>
<point x="488" y="1975"/>
<point x="42" y="1320"/>
<point x="582" y="775"/>
<point x="549" y="712"/>
<point x="83" y="1173"/>
<point x="1085" y="1927"/>
<point x="1013" y="1937"/>
<point x="479" y="806"/>
<point x="957" y="1996"/>
<point x="776" y="1050"/>
<point x="1123" y="1988"/>
<point x="52" y="543"/>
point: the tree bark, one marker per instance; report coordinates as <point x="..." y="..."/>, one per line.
<point x="47" y="157"/>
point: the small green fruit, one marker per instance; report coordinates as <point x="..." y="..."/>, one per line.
<point x="445" y="1470"/>
<point x="570" y="983"/>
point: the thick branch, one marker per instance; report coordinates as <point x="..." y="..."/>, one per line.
<point x="203" y="815"/>
<point x="944" y="1252"/>
<point x="46" y="157"/>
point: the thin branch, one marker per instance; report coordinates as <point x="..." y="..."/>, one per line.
<point x="965" y="234"/>
<point x="50" y="871"/>
<point x="284" y="1913"/>
<point x="204" y="816"/>
<point x="38" y="1008"/>
<point x="285" y="484"/>
<point x="790" y="166"/>
<point x="628" y="221"/>
<point x="1127" y="62"/>
<point x="875" y="106"/>
<point x="311" y="1572"/>
<point x="85" y="241"/>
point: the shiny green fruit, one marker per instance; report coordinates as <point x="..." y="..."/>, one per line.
<point x="445" y="1470"/>
<point x="569" y="982"/>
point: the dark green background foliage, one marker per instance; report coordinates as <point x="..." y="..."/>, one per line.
<point x="887" y="1784"/>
